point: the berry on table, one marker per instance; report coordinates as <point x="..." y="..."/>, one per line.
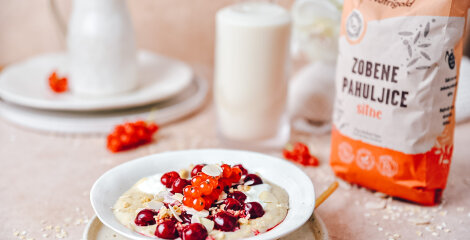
<point x="301" y="154"/>
<point x="131" y="135"/>
<point x="57" y="84"/>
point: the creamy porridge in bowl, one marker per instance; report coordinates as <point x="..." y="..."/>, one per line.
<point x="204" y="194"/>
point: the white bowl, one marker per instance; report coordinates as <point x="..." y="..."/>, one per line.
<point x="111" y="185"/>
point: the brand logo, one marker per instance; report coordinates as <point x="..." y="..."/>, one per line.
<point x="345" y="152"/>
<point x="354" y="25"/>
<point x="396" y="3"/>
<point x="364" y="159"/>
<point x="387" y="166"/>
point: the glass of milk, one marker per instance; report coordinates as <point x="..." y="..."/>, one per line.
<point x="251" y="70"/>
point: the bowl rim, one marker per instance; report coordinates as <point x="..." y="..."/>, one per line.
<point x="308" y="188"/>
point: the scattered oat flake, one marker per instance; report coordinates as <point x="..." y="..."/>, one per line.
<point x="380" y="229"/>
<point x="419" y="221"/>
<point x="460" y="209"/>
<point x="45" y="235"/>
<point x="375" y="205"/>
<point x="435" y="234"/>
<point x="447" y="230"/>
<point x="426" y="30"/>
<point x="419" y="233"/>
<point x="405" y="33"/>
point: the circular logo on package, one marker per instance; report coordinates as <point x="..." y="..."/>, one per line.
<point x="364" y="159"/>
<point x="354" y="25"/>
<point x="387" y="166"/>
<point x="345" y="152"/>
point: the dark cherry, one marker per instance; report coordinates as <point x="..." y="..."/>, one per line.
<point x="253" y="177"/>
<point x="186" y="217"/>
<point x="232" y="204"/>
<point x="244" y="171"/>
<point x="254" y="209"/>
<point x="197" y="169"/>
<point x="241" y="197"/>
<point x="145" y="217"/>
<point x="168" y="178"/>
<point x="225" y="221"/>
<point x="166" y="230"/>
<point x="194" y="231"/>
<point x="179" y="184"/>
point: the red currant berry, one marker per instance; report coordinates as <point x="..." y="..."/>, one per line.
<point x="244" y="171"/>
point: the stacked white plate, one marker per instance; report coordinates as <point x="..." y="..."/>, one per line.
<point x="168" y="88"/>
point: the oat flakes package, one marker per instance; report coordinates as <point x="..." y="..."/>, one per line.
<point x="396" y="82"/>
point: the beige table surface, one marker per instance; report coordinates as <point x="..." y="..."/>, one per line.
<point x="45" y="180"/>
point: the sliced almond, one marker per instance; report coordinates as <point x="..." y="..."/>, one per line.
<point x="419" y="221"/>
<point x="212" y="170"/>
<point x="195" y="219"/>
<point x="249" y="182"/>
<point x="192" y="211"/>
<point x="376" y="205"/>
<point x="222" y="196"/>
<point x="267" y="197"/>
<point x="173" y="212"/>
<point x="208" y="224"/>
<point x="156" y="205"/>
<point x="178" y="197"/>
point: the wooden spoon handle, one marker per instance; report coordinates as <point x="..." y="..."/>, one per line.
<point x="326" y="194"/>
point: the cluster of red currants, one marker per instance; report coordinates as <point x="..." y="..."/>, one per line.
<point x="301" y="154"/>
<point x="131" y="135"/>
<point x="205" y="190"/>
<point x="57" y="84"/>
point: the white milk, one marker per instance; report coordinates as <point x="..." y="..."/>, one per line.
<point x="252" y="52"/>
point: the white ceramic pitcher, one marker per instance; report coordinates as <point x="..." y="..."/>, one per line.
<point x="101" y="48"/>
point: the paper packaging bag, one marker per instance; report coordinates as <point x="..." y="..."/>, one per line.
<point x="396" y="81"/>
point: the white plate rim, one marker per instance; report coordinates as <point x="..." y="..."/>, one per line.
<point x="95" y="220"/>
<point x="90" y="106"/>
<point x="306" y="210"/>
